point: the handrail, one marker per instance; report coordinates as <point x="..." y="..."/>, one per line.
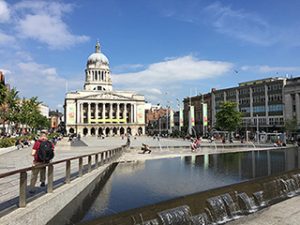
<point x="105" y="156"/>
<point x="2" y="175"/>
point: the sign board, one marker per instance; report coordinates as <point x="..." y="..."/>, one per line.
<point x="71" y="113"/>
<point x="181" y="117"/>
<point x="204" y="108"/>
<point x="140" y="114"/>
<point x="192" y="116"/>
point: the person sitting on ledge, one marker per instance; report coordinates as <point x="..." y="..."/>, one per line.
<point x="145" y="149"/>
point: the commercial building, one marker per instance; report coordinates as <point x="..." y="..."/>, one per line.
<point x="292" y="100"/>
<point x="265" y="104"/>
<point x="98" y="109"/>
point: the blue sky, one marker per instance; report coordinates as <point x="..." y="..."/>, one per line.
<point x="162" y="49"/>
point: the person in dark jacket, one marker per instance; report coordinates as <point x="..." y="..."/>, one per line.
<point x="37" y="162"/>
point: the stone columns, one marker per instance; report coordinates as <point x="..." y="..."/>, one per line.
<point x="96" y="112"/>
<point x="77" y="112"/>
<point x="118" y="112"/>
<point x="89" y="113"/>
<point x="103" y="112"/>
<point x="81" y="113"/>
<point x="110" y="111"/>
<point x="134" y="113"/>
<point x="125" y="112"/>
<point x="131" y="114"/>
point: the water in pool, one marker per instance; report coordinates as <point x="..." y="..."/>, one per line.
<point x="141" y="183"/>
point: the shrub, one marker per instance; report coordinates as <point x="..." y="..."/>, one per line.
<point x="7" y="142"/>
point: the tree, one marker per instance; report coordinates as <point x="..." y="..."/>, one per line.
<point x="9" y="108"/>
<point x="2" y="93"/>
<point x="291" y="125"/>
<point x="228" y="118"/>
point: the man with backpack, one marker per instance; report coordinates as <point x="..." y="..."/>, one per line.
<point x="42" y="152"/>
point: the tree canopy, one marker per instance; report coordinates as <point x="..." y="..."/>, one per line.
<point x="228" y="118"/>
<point x="15" y="111"/>
<point x="291" y="125"/>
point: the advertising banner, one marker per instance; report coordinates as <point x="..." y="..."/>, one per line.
<point x="140" y="114"/>
<point x="171" y="119"/>
<point x="192" y="116"/>
<point x="71" y="113"/>
<point x="204" y="108"/>
<point x="181" y="117"/>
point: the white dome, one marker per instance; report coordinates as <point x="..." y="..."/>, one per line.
<point x="98" y="57"/>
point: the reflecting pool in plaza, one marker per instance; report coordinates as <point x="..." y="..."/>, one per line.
<point x="141" y="183"/>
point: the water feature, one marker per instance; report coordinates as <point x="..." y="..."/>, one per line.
<point x="137" y="184"/>
<point x="246" y="203"/>
<point x="218" y="210"/>
<point x="231" y="207"/>
<point x="176" y="216"/>
<point x="289" y="187"/>
<point x="259" y="198"/>
<point x="200" y="219"/>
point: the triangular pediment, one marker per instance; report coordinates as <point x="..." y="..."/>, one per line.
<point x="107" y="96"/>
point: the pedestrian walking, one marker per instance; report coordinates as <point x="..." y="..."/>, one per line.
<point x="128" y="140"/>
<point x="42" y="152"/>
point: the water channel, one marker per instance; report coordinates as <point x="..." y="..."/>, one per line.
<point x="141" y="183"/>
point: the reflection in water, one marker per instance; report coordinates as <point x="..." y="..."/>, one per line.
<point x="133" y="185"/>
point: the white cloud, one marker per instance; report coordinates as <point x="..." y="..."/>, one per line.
<point x="172" y="71"/>
<point x="170" y="76"/>
<point x="33" y="79"/>
<point x="42" y="21"/>
<point x="4" y="12"/>
<point x="266" y="69"/>
<point x="270" y="69"/>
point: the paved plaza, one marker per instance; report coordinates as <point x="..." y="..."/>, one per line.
<point x="17" y="159"/>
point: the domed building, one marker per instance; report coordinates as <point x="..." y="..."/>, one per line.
<point x="97" y="109"/>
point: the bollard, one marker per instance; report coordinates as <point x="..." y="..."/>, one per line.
<point x="50" y="179"/>
<point x="89" y="163"/>
<point x="23" y="185"/>
<point x="68" y="172"/>
<point x="96" y="160"/>
<point x="80" y="167"/>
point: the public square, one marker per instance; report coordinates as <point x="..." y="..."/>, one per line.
<point x="164" y="148"/>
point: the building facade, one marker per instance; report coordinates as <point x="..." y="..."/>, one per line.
<point x="260" y="101"/>
<point x="292" y="100"/>
<point x="265" y="104"/>
<point x="98" y="110"/>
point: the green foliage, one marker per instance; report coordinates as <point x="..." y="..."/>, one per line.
<point x="25" y="112"/>
<point x="2" y="93"/>
<point x="291" y="125"/>
<point x="7" y="142"/>
<point x="228" y="118"/>
<point x="52" y="135"/>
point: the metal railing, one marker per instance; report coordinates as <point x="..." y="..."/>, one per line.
<point x="100" y="159"/>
